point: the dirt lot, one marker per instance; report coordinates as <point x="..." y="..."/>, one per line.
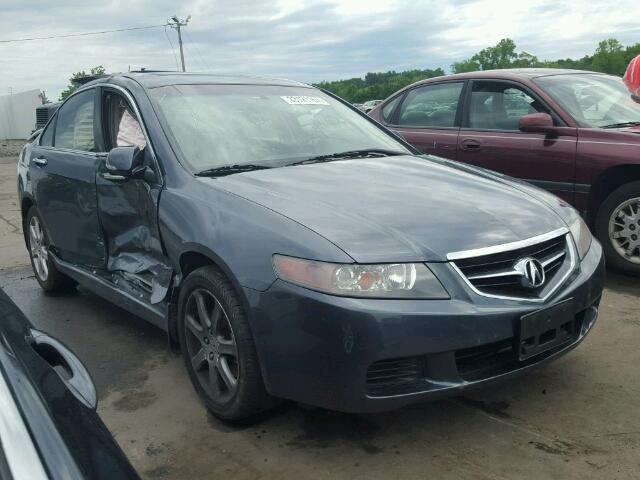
<point x="578" y="418"/>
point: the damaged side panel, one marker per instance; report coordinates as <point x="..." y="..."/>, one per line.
<point x="129" y="217"/>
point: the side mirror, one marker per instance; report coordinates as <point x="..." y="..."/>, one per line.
<point x="124" y="161"/>
<point x="537" y="123"/>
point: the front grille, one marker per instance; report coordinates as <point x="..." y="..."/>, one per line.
<point x="495" y="274"/>
<point x="394" y="377"/>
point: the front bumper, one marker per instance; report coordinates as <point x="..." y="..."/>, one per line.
<point x="335" y="352"/>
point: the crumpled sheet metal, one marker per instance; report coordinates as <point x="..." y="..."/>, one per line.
<point x="128" y="212"/>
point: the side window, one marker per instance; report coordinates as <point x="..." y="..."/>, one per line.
<point x="517" y="103"/>
<point x="46" y="138"/>
<point x="499" y="106"/>
<point x="122" y="128"/>
<point x="74" y="126"/>
<point x="389" y="108"/>
<point x="431" y="106"/>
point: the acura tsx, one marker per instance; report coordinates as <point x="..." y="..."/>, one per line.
<point x="294" y="248"/>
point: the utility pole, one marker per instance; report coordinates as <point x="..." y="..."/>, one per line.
<point x="177" y="23"/>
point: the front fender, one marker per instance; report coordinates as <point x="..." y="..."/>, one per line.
<point x="240" y="236"/>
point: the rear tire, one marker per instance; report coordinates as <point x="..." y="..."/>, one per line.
<point x="48" y="276"/>
<point x="618" y="228"/>
<point x="218" y="348"/>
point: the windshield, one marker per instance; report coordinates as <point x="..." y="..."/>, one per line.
<point x="219" y="125"/>
<point x="592" y="100"/>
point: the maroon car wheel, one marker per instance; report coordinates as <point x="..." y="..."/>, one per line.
<point x="618" y="228"/>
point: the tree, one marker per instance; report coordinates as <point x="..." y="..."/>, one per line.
<point x="610" y="57"/>
<point x="464" y="66"/>
<point x="500" y="56"/>
<point x="377" y="85"/>
<point x="73" y="81"/>
<point x="526" y="60"/>
<point x="503" y="55"/>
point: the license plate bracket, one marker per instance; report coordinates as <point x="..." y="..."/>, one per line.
<point x="546" y="329"/>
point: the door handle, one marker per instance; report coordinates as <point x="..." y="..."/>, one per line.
<point x="75" y="376"/>
<point x="470" y="144"/>
<point x="40" y="161"/>
<point x="113" y="177"/>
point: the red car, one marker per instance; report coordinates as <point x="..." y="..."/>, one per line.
<point x="572" y="132"/>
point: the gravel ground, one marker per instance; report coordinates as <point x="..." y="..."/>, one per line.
<point x="10" y="148"/>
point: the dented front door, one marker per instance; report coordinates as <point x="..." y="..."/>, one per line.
<point x="128" y="207"/>
<point x="128" y="212"/>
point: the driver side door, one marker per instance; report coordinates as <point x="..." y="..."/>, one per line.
<point x="490" y="137"/>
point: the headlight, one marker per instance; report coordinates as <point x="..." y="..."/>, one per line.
<point x="393" y="280"/>
<point x="581" y="235"/>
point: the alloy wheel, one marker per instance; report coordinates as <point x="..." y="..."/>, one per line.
<point x="624" y="230"/>
<point x="38" y="249"/>
<point x="211" y="345"/>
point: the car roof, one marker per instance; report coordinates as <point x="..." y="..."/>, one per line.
<point x="509" y="74"/>
<point x="153" y="79"/>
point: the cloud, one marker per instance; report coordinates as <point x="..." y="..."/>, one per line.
<point x="303" y="40"/>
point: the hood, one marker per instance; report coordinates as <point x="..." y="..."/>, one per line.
<point x="635" y="129"/>
<point x="397" y="209"/>
<point x="626" y="136"/>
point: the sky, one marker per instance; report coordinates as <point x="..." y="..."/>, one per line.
<point x="308" y="40"/>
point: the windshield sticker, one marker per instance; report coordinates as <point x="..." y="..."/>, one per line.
<point x="304" y="100"/>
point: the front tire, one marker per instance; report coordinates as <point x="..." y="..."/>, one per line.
<point x="618" y="228"/>
<point x="217" y="347"/>
<point x="48" y="276"/>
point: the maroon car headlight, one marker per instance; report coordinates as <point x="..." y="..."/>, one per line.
<point x="386" y="280"/>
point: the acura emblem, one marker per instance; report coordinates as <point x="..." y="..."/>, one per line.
<point x="532" y="272"/>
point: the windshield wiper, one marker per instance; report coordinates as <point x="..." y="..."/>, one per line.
<point x="229" y="170"/>
<point x="623" y="124"/>
<point x="365" y="153"/>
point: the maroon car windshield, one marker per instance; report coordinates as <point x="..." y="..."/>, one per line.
<point x="593" y="100"/>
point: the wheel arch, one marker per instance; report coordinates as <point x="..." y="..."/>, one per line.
<point x="606" y="183"/>
<point x="25" y="205"/>
<point x="192" y="257"/>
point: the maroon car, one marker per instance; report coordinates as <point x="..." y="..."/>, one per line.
<point x="574" y="133"/>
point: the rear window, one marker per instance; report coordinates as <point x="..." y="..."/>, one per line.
<point x="74" y="124"/>
<point x="431" y="106"/>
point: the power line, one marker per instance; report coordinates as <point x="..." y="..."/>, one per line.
<point x="12" y="40"/>
<point x="204" y="63"/>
